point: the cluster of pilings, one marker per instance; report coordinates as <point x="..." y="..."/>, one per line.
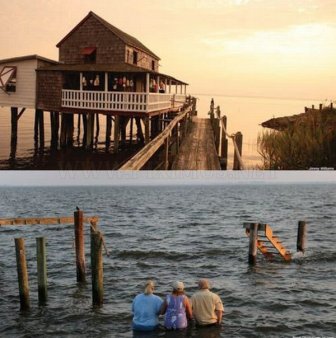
<point x="97" y="244"/>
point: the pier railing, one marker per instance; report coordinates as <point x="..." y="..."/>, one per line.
<point x="169" y="138"/>
<point x="121" y="101"/>
<point x="219" y="125"/>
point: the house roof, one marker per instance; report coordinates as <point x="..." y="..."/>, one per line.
<point x="28" y="57"/>
<point x="128" y="39"/>
<point x="114" y="67"/>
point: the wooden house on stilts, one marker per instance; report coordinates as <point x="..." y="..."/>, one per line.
<point x="101" y="70"/>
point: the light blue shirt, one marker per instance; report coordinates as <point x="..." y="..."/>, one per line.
<point x="146" y="310"/>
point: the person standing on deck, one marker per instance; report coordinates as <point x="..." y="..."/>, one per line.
<point x="177" y="308"/>
<point x="207" y="307"/>
<point x="146" y="309"/>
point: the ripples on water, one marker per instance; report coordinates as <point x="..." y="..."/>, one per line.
<point x="170" y="233"/>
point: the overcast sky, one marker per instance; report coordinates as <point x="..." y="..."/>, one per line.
<point x="272" y="48"/>
<point x="63" y="178"/>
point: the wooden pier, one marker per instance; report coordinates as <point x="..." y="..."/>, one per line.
<point x="198" y="151"/>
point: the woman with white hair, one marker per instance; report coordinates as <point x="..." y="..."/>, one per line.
<point x="146" y="309"/>
<point x="177" y="308"/>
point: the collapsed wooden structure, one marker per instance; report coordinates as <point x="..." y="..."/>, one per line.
<point x="263" y="239"/>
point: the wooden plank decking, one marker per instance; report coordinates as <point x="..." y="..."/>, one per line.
<point x="198" y="151"/>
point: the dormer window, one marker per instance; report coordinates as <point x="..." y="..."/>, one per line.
<point x="135" y="57"/>
<point x="89" y="54"/>
<point x="8" y="79"/>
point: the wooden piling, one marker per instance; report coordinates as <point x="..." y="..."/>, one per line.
<point x="301" y="237"/>
<point x="90" y="130"/>
<point x="147" y="130"/>
<point x="140" y="135"/>
<point x="78" y="127"/>
<point x="108" y="131"/>
<point x="63" y="131"/>
<point x="97" y="130"/>
<point x="252" y="258"/>
<point x="97" y="268"/>
<point x="84" y="129"/>
<point x="54" y="126"/>
<point x="79" y="243"/>
<point x="22" y="274"/>
<point x="239" y="141"/>
<point x="224" y="145"/>
<point x="41" y="270"/>
<point x="41" y="128"/>
<point x="14" y="125"/>
<point x="166" y="147"/>
<point x="69" y="130"/>
<point x="116" y="133"/>
<point x="131" y="131"/>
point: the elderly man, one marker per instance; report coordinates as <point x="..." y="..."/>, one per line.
<point x="207" y="307"/>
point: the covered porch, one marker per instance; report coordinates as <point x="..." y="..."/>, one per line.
<point x="119" y="88"/>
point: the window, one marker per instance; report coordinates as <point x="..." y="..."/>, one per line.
<point x="153" y="65"/>
<point x="89" y="54"/>
<point x="8" y="79"/>
<point x="135" y="57"/>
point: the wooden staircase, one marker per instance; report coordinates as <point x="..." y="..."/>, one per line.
<point x="267" y="243"/>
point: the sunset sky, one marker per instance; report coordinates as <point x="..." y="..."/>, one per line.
<point x="268" y="48"/>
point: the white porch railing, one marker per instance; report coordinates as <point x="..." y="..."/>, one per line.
<point x="120" y="101"/>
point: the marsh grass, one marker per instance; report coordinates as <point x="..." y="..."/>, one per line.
<point x="309" y="142"/>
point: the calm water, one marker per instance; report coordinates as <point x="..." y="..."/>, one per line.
<point x="244" y="114"/>
<point x="176" y="233"/>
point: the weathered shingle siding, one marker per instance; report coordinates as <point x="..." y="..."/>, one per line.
<point x="92" y="33"/>
<point x="49" y="90"/>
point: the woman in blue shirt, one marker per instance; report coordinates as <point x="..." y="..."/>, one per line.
<point x="146" y="309"/>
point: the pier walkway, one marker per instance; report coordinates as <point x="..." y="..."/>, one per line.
<point x="198" y="151"/>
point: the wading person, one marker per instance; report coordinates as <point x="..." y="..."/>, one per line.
<point x="207" y="307"/>
<point x="176" y="308"/>
<point x="146" y="309"/>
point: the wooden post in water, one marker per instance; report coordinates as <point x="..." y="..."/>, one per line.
<point x="131" y="131"/>
<point x="84" y="129"/>
<point x="78" y="127"/>
<point x="22" y="273"/>
<point x="14" y="122"/>
<point x="239" y="141"/>
<point x="79" y="243"/>
<point x="63" y="131"/>
<point x="41" y="128"/>
<point x="224" y="145"/>
<point x="97" y="268"/>
<point x="70" y="130"/>
<point x="108" y="131"/>
<point x="212" y="112"/>
<point x="97" y="130"/>
<point x="252" y="259"/>
<point x="90" y="130"/>
<point x="147" y="131"/>
<point x="166" y="147"/>
<point x="116" y="133"/>
<point x="301" y="237"/>
<point x="194" y="102"/>
<point x="217" y="129"/>
<point x="54" y="126"/>
<point x="41" y="270"/>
